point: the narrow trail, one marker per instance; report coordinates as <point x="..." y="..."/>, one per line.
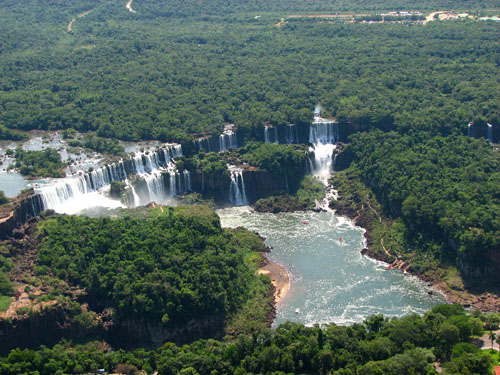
<point x="3" y="220"/>
<point x="359" y="212"/>
<point x="70" y="24"/>
<point x="83" y="14"/>
<point x="129" y="6"/>
<point x="398" y="262"/>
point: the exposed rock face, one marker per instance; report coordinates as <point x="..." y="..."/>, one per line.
<point x="342" y="159"/>
<point x="212" y="184"/>
<point x="148" y="334"/>
<point x="17" y="212"/>
<point x="258" y="184"/>
<point x="45" y="327"/>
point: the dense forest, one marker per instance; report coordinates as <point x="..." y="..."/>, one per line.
<point x="410" y="345"/>
<point x="177" y="70"/>
<point x="170" y="268"/>
<point x="153" y="74"/>
<point x="445" y="191"/>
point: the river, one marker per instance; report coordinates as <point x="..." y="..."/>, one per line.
<point x="331" y="280"/>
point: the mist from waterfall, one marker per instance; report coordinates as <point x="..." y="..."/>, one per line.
<point x="86" y="189"/>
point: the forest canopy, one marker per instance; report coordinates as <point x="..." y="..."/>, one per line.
<point x="171" y="267"/>
<point x="156" y="74"/>
<point x="443" y="188"/>
<point x="379" y="345"/>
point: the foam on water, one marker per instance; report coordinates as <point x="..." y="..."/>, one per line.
<point x="331" y="281"/>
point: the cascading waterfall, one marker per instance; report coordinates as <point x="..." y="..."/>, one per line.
<point x="173" y="183"/>
<point x="227" y="139"/>
<point x="203" y="143"/>
<point x="135" y="200"/>
<point x="469" y="129"/>
<point x="187" y="181"/>
<point x="237" y="191"/>
<point x="270" y="134"/>
<point x="155" y="187"/>
<point x="68" y="194"/>
<point x="291" y="135"/>
<point x="323" y="135"/>
<point x="490" y="133"/>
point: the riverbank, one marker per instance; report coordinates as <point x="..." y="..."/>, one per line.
<point x="279" y="278"/>
<point x="358" y="204"/>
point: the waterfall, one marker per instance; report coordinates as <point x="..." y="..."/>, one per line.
<point x="237" y="191"/>
<point x="173" y="183"/>
<point x="323" y="131"/>
<point x="202" y="143"/>
<point x="317" y="110"/>
<point x="469" y="129"/>
<point x="155" y="187"/>
<point x="270" y="134"/>
<point x="222" y="142"/>
<point x="291" y="135"/>
<point x="187" y="181"/>
<point x="227" y="139"/>
<point x="490" y="133"/>
<point x="135" y="201"/>
<point x="310" y="162"/>
<point x="71" y="194"/>
<point x="323" y="135"/>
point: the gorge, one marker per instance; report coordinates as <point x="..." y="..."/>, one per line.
<point x="317" y="262"/>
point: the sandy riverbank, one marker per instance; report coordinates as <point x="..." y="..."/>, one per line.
<point x="279" y="278"/>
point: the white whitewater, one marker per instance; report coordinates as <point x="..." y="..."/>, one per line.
<point x="237" y="191"/>
<point x="469" y="129"/>
<point x="323" y="136"/>
<point x="490" y="133"/>
<point x="317" y="110"/>
<point x="86" y="189"/>
<point x="330" y="281"/>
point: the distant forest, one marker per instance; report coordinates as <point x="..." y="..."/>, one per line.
<point x="174" y="69"/>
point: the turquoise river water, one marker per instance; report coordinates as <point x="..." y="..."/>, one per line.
<point x="330" y="281"/>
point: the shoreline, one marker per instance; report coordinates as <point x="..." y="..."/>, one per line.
<point x="486" y="300"/>
<point x="280" y="278"/>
